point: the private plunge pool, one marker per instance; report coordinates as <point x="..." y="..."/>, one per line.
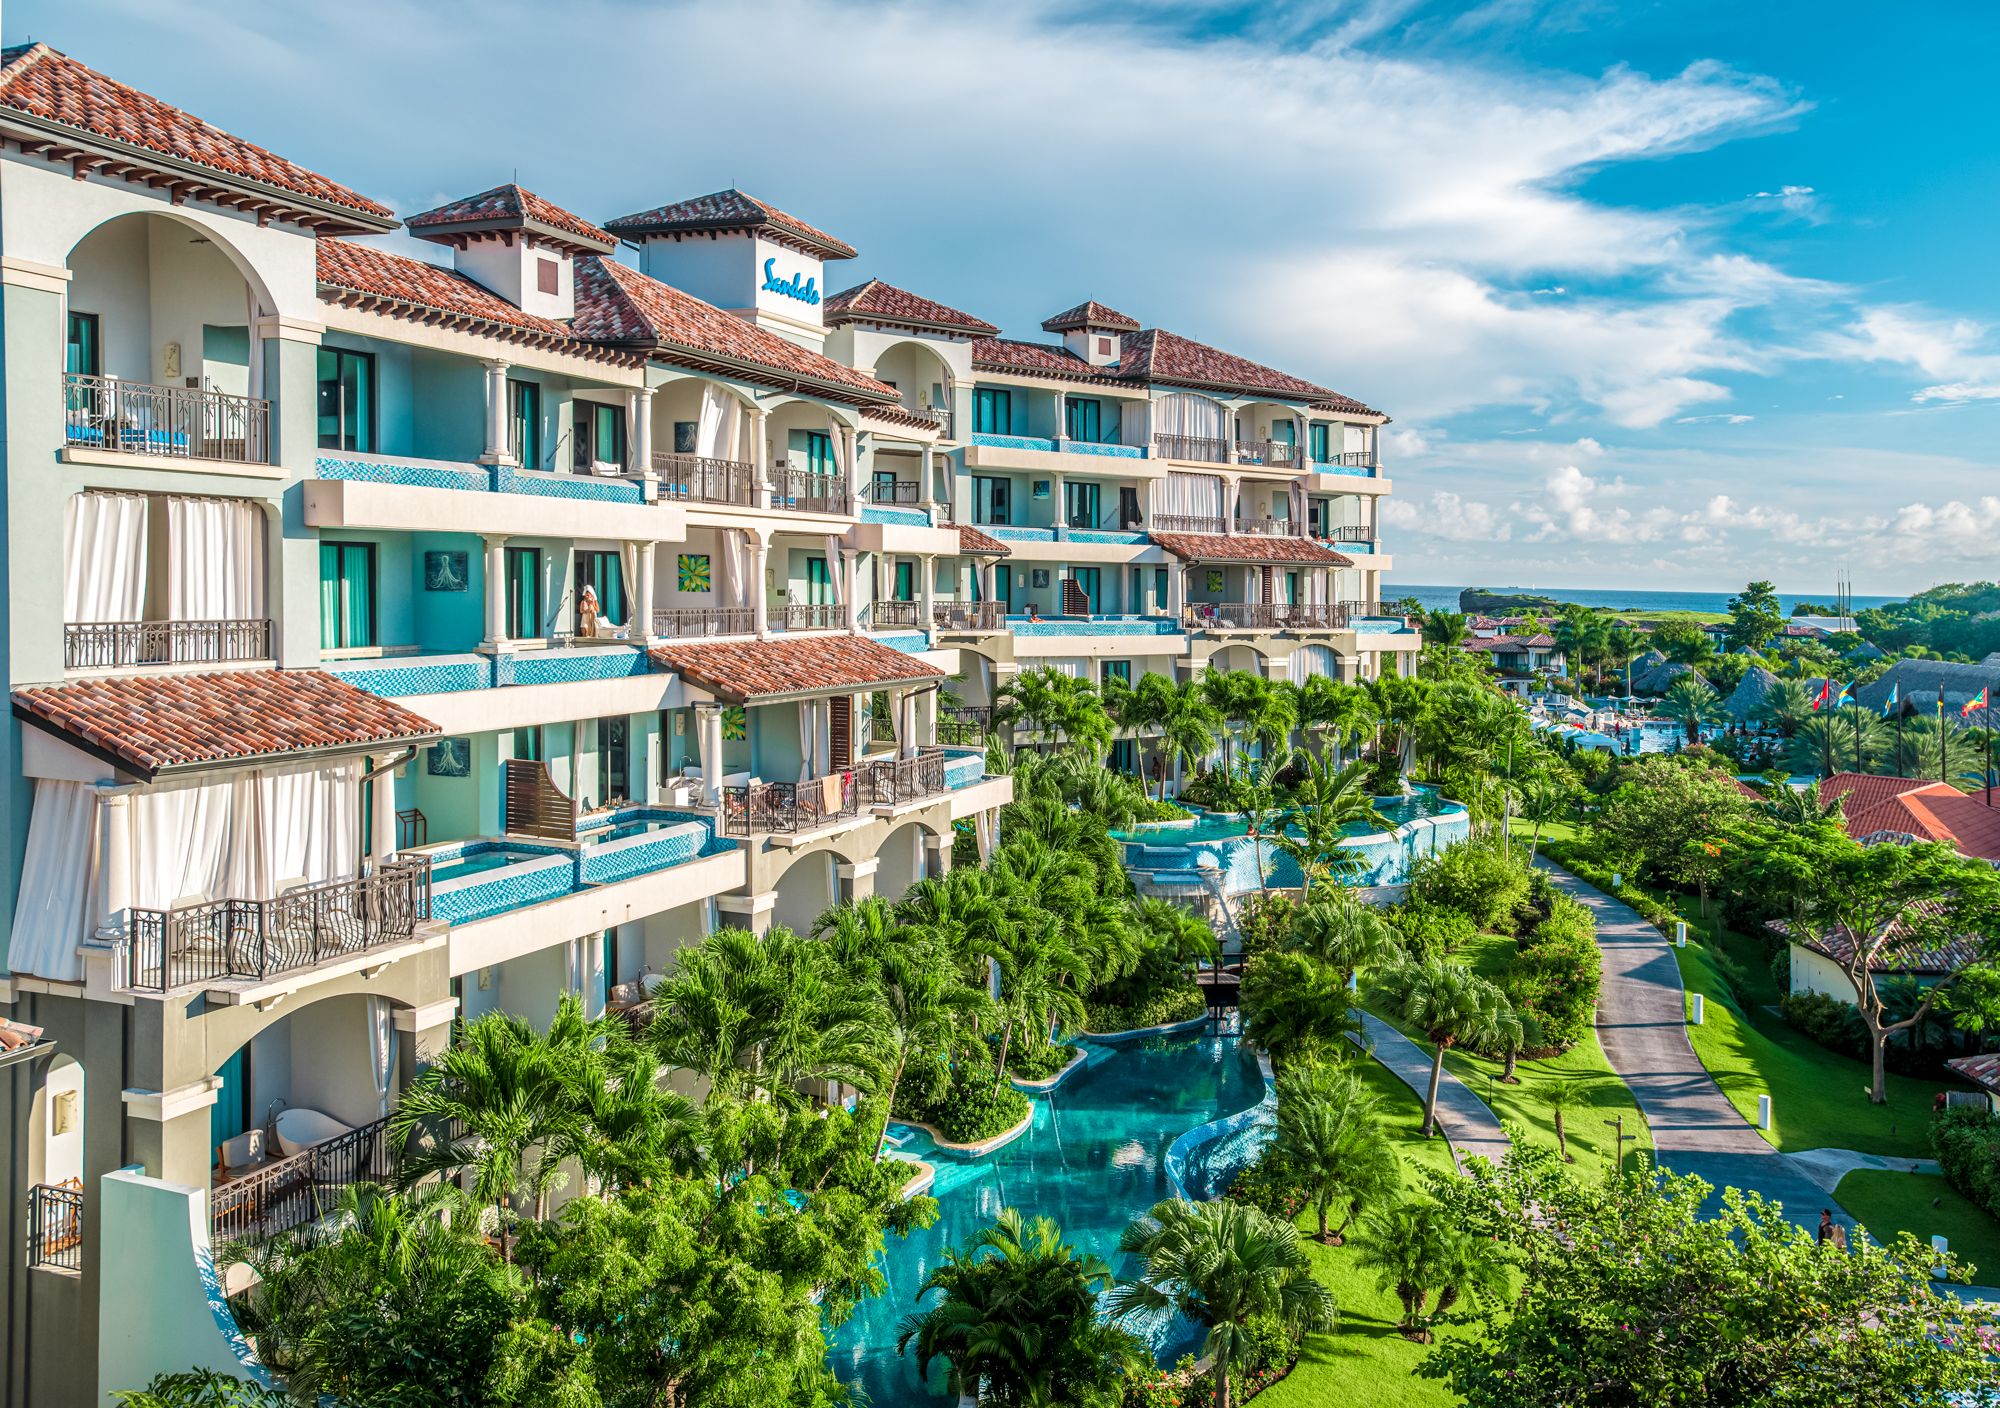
<point x="1218" y="844"/>
<point x="1095" y="1157"/>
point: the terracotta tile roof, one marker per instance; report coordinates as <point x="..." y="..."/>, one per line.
<point x="618" y="304"/>
<point x="1090" y="314"/>
<point x="978" y="544"/>
<point x="1248" y="547"/>
<point x="761" y="669"/>
<point x="48" y="85"/>
<point x="509" y="207"/>
<point x="1907" y="806"/>
<point x="731" y="210"/>
<point x="1511" y="643"/>
<point x="877" y="302"/>
<point x="152" y="724"/>
<point x="1900" y="952"/>
<point x="1983" y="1071"/>
<point x="370" y="278"/>
<point x="1002" y="354"/>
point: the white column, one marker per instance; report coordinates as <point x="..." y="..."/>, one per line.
<point x="849" y="580"/>
<point x="1232" y="496"/>
<point x="906" y="704"/>
<point x="1061" y="432"/>
<point x="760" y="455"/>
<point x="641" y="436"/>
<point x="382" y="813"/>
<point x="853" y="442"/>
<point x="114" y="860"/>
<point x="987" y="576"/>
<point x="1177" y="591"/>
<point x="927" y="477"/>
<point x="927" y="591"/>
<point x="708" y="720"/>
<point x="642" y="628"/>
<point x="1062" y="507"/>
<point x="497" y="449"/>
<point x="760" y="599"/>
<point x="496" y="591"/>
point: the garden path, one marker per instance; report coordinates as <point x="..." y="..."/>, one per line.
<point x="1468" y="1123"/>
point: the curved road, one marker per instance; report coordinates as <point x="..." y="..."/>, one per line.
<point x="1467" y="1122"/>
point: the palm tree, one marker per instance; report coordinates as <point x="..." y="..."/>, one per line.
<point x="1345" y="935"/>
<point x="1621" y="645"/>
<point x="1330" y="1140"/>
<point x="1253" y="791"/>
<point x="1787" y="704"/>
<point x="1691" y="703"/>
<point x="1018" y="1321"/>
<point x="1850" y="739"/>
<point x="1041" y="979"/>
<point x="1559" y="1097"/>
<point x="1800" y="807"/>
<point x="1295" y="1007"/>
<point x="1234" y="695"/>
<point x="1542" y="802"/>
<point x="1452" y="1006"/>
<point x="1583" y="636"/>
<point x="1417" y="1250"/>
<point x="1223" y="1265"/>
<point x="1444" y="628"/>
<point x="1144" y="710"/>
<point x="1324" y="804"/>
<point x="1190" y="729"/>
<point x="497" y="1094"/>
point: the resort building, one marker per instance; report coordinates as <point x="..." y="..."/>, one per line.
<point x="1900" y="810"/>
<point x="393" y="640"/>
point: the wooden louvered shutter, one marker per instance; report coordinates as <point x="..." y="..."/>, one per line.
<point x="841" y="724"/>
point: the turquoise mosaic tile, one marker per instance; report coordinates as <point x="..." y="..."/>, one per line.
<point x="1022" y="535"/>
<point x="509" y="480"/>
<point x="420" y="476"/>
<point x="573" y="666"/>
<point x="1082" y="447"/>
<point x="430" y="674"/>
<point x="904" y="517"/>
<point x="909" y="643"/>
<point x="1014" y="442"/>
<point x="1096" y="626"/>
<point x="1092" y="535"/>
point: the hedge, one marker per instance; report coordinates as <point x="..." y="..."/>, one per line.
<point x="1967" y="1144"/>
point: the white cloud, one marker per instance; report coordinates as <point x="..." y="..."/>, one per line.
<point x="1717" y="419"/>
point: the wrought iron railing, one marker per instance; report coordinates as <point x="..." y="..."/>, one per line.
<point x="55" y="1225"/>
<point x="237" y="939"/>
<point x="903" y="491"/>
<point x="681" y="622"/>
<point x="181" y="422"/>
<point x="807" y="492"/>
<point x="964" y="724"/>
<point x="1189" y="523"/>
<point x="885" y="614"/>
<point x="971" y="616"/>
<point x="789" y="806"/>
<point x="1272" y="454"/>
<point x="301" y="1188"/>
<point x="107" y="645"/>
<point x="1347" y="533"/>
<point x="1201" y="449"/>
<point x="1351" y="459"/>
<point x="890" y="782"/>
<point x="1352" y="610"/>
<point x="808" y="616"/>
<point x="1264" y="616"/>
<point x="705" y="480"/>
<point x="1268" y="527"/>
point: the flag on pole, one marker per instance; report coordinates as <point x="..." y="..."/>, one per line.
<point x="1846" y="694"/>
<point x="1889" y="704"/>
<point x="1825" y="694"/>
<point x="1972" y="705"/>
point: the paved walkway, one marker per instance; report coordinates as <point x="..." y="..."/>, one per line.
<point x="1826" y="1167"/>
<point x="1467" y="1122"/>
<point x="1642" y="1025"/>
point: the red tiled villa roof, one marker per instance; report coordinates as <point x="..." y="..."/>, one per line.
<point x="1090" y="314"/>
<point x="878" y="302"/>
<point x="1249" y="547"/>
<point x="509" y="207"/>
<point x="731" y="210"/>
<point x="743" y="671"/>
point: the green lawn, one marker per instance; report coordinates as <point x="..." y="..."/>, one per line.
<point x="1887" y="1203"/>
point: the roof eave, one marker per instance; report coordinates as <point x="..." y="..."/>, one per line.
<point x="766" y="375"/>
<point x="333" y="217"/>
<point x="146" y="773"/>
<point x="629" y="228"/>
<point x="567" y="240"/>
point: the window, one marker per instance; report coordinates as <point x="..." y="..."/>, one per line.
<point x="1160" y="588"/>
<point x="1082" y="419"/>
<point x="1003" y="586"/>
<point x="1114" y="670"/>
<point x="883" y="482"/>
<point x="524" y="423"/>
<point x="1080" y="504"/>
<point x="604" y="571"/>
<point x="1292" y="588"/>
<point x="1135" y="597"/>
<point x="992" y="411"/>
<point x="346" y="596"/>
<point x="524" y="593"/>
<point x="81" y="354"/>
<point x="991" y="499"/>
<point x="545" y="276"/>
<point x="819" y="582"/>
<point x="1319" y="444"/>
<point x="612" y="757"/>
<point x="1317" y="512"/>
<point x="600" y="434"/>
<point x="819" y="452"/>
<point x="906" y="581"/>
<point x="346" y="400"/>
<point x="527" y="744"/>
<point x="1124" y="757"/>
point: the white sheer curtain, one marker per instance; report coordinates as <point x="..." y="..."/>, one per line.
<point x="240" y="837"/>
<point x="307" y="824"/>
<point x="53" y="909"/>
<point x="215" y="560"/>
<point x="382" y="1050"/>
<point x="808" y="727"/>
<point x="833" y="569"/>
<point x="1192" y="495"/>
<point x="104" y="557"/>
<point x="713" y="430"/>
<point x="1183" y="413"/>
<point x="839" y="439"/>
<point x="636" y="611"/>
<point x="731" y="569"/>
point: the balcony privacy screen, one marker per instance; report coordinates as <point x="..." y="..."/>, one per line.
<point x="1192" y="496"/>
<point x="1186" y="414"/>
<point x="236" y="839"/>
<point x="104" y="557"/>
<point x="215" y="560"/>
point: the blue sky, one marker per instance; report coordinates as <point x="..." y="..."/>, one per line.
<point x="1663" y="295"/>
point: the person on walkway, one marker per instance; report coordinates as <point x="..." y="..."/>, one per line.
<point x="1826" y="1227"/>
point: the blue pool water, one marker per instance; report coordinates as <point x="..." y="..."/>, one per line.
<point x="642" y="827"/>
<point x="476" y="862"/>
<point x="1092" y="1160"/>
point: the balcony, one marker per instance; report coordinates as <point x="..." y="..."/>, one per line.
<point x="939" y="416"/>
<point x="701" y="479"/>
<point x="217" y="941"/>
<point x="1266" y="616"/>
<point x="902" y="491"/>
<point x="1269" y="454"/>
<point x="55" y="1226"/>
<point x="765" y="808"/>
<point x="1348" y="462"/>
<point x="1206" y="523"/>
<point x="971" y="616"/>
<point x="805" y="491"/>
<point x="280" y="1194"/>
<point x="1347" y="533"/>
<point x="172" y="422"/>
<point x="808" y="616"/>
<point x="1197" y="449"/>
<point x="964" y="724"/>
<point x="115" y="645"/>
<point x="892" y="615"/>
<point x="693" y="622"/>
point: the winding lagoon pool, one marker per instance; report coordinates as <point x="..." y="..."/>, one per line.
<point x="1094" y="1158"/>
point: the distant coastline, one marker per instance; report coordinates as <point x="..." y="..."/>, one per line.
<point x="1440" y="598"/>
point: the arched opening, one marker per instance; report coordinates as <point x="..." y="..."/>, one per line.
<point x="1231" y="658"/>
<point x="900" y="860"/>
<point x="806" y="891"/>
<point x="704" y="441"/>
<point x="922" y="376"/>
<point x="161" y="353"/>
<point x="1310" y="660"/>
<point x="55" y="1125"/>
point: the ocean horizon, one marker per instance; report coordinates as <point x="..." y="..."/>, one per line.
<point x="1442" y="598"/>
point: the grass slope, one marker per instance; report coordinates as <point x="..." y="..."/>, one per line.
<point x="1887" y="1203"/>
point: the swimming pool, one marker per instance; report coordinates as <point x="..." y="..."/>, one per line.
<point x="476" y="860"/>
<point x="1218" y="844"/>
<point x="1093" y="1159"/>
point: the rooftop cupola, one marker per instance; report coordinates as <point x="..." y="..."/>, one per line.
<point x="1093" y="332"/>
<point x="736" y="252"/>
<point x="516" y="244"/>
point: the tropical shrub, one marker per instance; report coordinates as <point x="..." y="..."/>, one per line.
<point x="1827" y="1020"/>
<point x="1269" y="1185"/>
<point x="1966" y="1141"/>
<point x="1433" y="930"/>
<point x="1555" y="974"/>
<point x="1039" y="1060"/>
<point x="200" y="1388"/>
<point x="1161" y="1009"/>
<point x="1265" y="921"/>
<point x="1473" y="877"/>
<point x="962" y="1102"/>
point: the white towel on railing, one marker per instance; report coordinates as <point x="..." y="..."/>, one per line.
<point x="829" y="794"/>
